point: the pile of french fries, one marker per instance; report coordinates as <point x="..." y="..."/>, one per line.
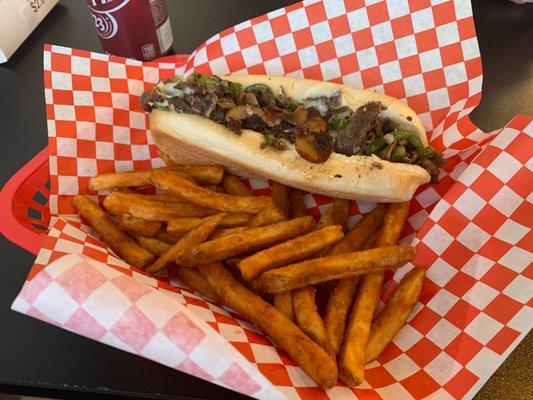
<point x="312" y="287"/>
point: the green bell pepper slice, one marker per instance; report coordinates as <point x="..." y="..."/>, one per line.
<point x="338" y="123"/>
<point x="426" y="152"/>
<point x="294" y="106"/>
<point x="376" y="145"/>
<point x="411" y="137"/>
<point x="398" y="153"/>
<point x="232" y="88"/>
<point x="257" y="87"/>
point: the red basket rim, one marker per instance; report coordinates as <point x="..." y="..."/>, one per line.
<point x="10" y="227"/>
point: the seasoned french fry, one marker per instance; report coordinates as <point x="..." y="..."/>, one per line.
<point x="110" y="233"/>
<point x="339" y="302"/>
<point x="343" y="291"/>
<point x="284" y="304"/>
<point x="232" y="263"/>
<point x="232" y="220"/>
<point x="268" y="215"/>
<point x="248" y="240"/>
<point x="169" y="162"/>
<point x="233" y="185"/>
<point x="237" y="275"/>
<point x="304" y="299"/>
<point x="193" y="278"/>
<point x="393" y="224"/>
<point x="180" y="226"/>
<point x="280" y="196"/>
<point x="308" y="318"/>
<point x="320" y="367"/>
<point x="125" y="190"/>
<point x="155" y="246"/>
<point x="333" y="216"/>
<point x="220" y="232"/>
<point x="164" y="197"/>
<point x="202" y="174"/>
<point x="197" y="235"/>
<point x="353" y="352"/>
<point x="288" y="252"/>
<point x="138" y="226"/>
<point x="296" y="203"/>
<point x="309" y="272"/>
<point x="340" y="209"/>
<point x="326" y="219"/>
<point x="178" y="186"/>
<point x="355" y="238"/>
<point x="120" y="179"/>
<point x="118" y="203"/>
<point x="214" y="188"/>
<point x="370" y="243"/>
<point x="393" y="316"/>
<point x="337" y="214"/>
<point x="167" y="237"/>
<point x="295" y="208"/>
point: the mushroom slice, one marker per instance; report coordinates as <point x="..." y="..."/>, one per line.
<point x="316" y="124"/>
<point x="239" y="112"/>
<point x="314" y="147"/>
<point x="249" y="98"/>
<point x="299" y="116"/>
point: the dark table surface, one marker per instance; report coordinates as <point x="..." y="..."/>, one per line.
<point x="39" y="359"/>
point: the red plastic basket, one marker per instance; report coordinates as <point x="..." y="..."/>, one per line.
<point x="24" y="199"/>
<point x="24" y="212"/>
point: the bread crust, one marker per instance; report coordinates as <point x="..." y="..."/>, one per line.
<point x="192" y="139"/>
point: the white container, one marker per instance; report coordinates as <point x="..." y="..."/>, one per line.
<point x="18" y="18"/>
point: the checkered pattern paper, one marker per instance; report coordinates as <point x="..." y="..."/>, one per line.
<point x="122" y="308"/>
<point x="471" y="229"/>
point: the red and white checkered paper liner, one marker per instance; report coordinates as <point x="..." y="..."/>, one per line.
<point x="472" y="229"/>
<point x="126" y="310"/>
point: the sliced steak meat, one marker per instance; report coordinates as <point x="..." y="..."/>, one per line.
<point x="313" y="112"/>
<point x="226" y="102"/>
<point x="255" y="123"/>
<point x="388" y="125"/>
<point x="190" y="86"/>
<point x="282" y="101"/>
<point x="145" y="102"/>
<point x="181" y="105"/>
<point x="196" y="103"/>
<point x="324" y="104"/>
<point x="323" y="141"/>
<point x="210" y="103"/>
<point x="284" y="130"/>
<point x="263" y="97"/>
<point x="234" y="125"/>
<point x="341" y="112"/>
<point x="432" y="166"/>
<point x="218" y="89"/>
<point x="363" y="127"/>
<point x="218" y="115"/>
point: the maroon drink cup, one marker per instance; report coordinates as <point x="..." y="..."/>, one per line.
<point x="137" y="29"/>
